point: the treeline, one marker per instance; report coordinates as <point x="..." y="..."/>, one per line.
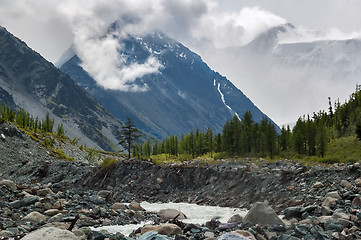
<point x="240" y="137"/>
<point x="24" y="120"/>
<point x="246" y="138"/>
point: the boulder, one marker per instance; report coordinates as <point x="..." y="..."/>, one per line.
<point x="317" y="185"/>
<point x="358" y="182"/>
<point x="135" y="206"/>
<point x="232" y="236"/>
<point x="44" y="192"/>
<point x="261" y="213"/>
<point x="334" y="195"/>
<point x="24" y="202"/>
<point x="8" y="183"/>
<point x="52" y="212"/>
<point x="356" y="202"/>
<point x="170" y="214"/>
<point x="297" y="212"/>
<point x="104" y="193"/>
<point x="235" y="218"/>
<point x="51" y="233"/>
<point x="164" y="229"/>
<point x="346" y="184"/>
<point x="245" y="234"/>
<point x="119" y="206"/>
<point x="329" y="202"/>
<point x="152" y="235"/>
<point x="34" y="217"/>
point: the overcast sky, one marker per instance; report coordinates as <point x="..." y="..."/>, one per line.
<point x="51" y="26"/>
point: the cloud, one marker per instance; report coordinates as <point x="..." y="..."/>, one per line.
<point x="226" y="29"/>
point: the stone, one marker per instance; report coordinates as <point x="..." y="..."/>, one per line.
<point x="245" y="234"/>
<point x="346" y="184"/>
<point x="34" y="217"/>
<point x="119" y="206"/>
<point x="317" y="185"/>
<point x="287" y="237"/>
<point x="51" y="212"/>
<point x="57" y="218"/>
<point x="164" y="229"/>
<point x="334" y="195"/>
<point x="235" y="218"/>
<point x="8" y="183"/>
<point x="208" y="234"/>
<point x="261" y="213"/>
<point x="329" y="202"/>
<point x="5" y="234"/>
<point x="271" y="235"/>
<point x="44" y="192"/>
<point x="333" y="225"/>
<point x="342" y="215"/>
<point x="170" y="214"/>
<point x="104" y="193"/>
<point x="24" y="202"/>
<point x="57" y="205"/>
<point x="356" y="202"/>
<point x="51" y="233"/>
<point x="227" y="226"/>
<point x="326" y="211"/>
<point x="152" y="235"/>
<point x="97" y="199"/>
<point x="135" y="206"/>
<point x="358" y="182"/>
<point x="231" y="236"/>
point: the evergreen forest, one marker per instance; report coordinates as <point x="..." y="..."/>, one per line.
<point x="326" y="136"/>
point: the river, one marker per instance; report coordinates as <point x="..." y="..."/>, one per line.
<point x="197" y="214"/>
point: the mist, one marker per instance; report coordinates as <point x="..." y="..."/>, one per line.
<point x="211" y="28"/>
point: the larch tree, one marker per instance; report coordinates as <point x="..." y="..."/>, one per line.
<point x="128" y="134"/>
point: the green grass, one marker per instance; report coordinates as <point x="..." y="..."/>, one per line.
<point x="344" y="149"/>
<point x="108" y="162"/>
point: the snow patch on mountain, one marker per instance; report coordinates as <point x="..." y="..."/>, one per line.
<point x="223" y="100"/>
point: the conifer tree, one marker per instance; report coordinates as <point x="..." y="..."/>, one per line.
<point x="128" y="135"/>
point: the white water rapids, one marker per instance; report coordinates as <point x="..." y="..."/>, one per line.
<point x="195" y="214"/>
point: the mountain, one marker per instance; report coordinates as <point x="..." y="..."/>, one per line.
<point x="296" y="68"/>
<point x="27" y="80"/>
<point x="185" y="95"/>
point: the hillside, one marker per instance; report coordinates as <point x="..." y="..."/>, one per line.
<point x="28" y="81"/>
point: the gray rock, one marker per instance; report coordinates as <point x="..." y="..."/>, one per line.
<point x="287" y="237"/>
<point x="261" y="213"/>
<point x="8" y="183"/>
<point x="51" y="233"/>
<point x="44" y="192"/>
<point x="34" y="217"/>
<point x="326" y="211"/>
<point x="24" y="202"/>
<point x="153" y="235"/>
<point x="346" y="184"/>
<point x="333" y="194"/>
<point x="235" y="218"/>
<point x="169" y="214"/>
<point x="231" y="236"/>
<point x="333" y="225"/>
<point x="5" y="234"/>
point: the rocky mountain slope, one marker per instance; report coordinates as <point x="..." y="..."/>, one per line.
<point x="29" y="81"/>
<point x="186" y="94"/>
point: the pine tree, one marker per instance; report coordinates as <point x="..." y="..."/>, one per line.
<point x="128" y="134"/>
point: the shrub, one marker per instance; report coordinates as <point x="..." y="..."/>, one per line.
<point x="107" y="162"/>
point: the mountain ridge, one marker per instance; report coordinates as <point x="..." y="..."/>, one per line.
<point x="185" y="95"/>
<point x="36" y="85"/>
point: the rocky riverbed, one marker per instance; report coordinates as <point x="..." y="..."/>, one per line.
<point x="42" y="194"/>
